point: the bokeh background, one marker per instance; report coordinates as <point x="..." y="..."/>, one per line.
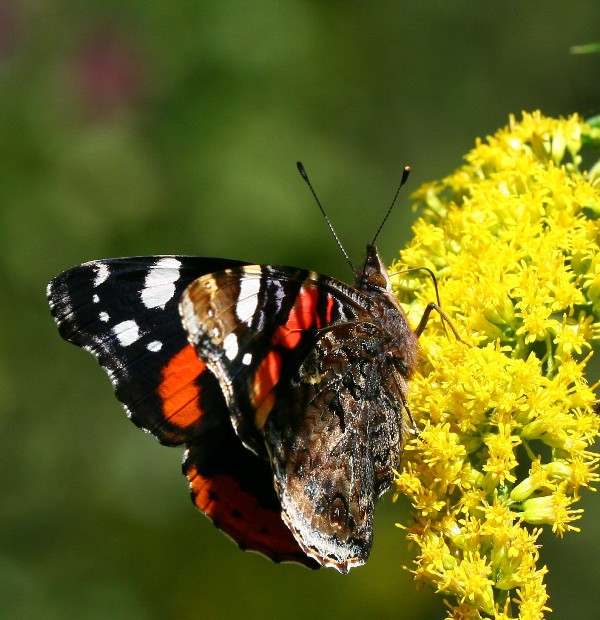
<point x="147" y="127"/>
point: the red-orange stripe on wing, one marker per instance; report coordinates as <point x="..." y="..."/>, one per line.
<point x="239" y="515"/>
<point x="263" y="388"/>
<point x="179" y="389"/>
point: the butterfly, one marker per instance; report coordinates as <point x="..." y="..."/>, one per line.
<point x="286" y="388"/>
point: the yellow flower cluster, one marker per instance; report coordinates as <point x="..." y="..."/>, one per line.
<point x="505" y="424"/>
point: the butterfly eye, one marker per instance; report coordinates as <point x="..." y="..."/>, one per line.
<point x="377" y="279"/>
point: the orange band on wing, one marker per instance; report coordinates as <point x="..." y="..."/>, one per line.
<point x="302" y="316"/>
<point x="263" y="388"/>
<point x="179" y="390"/>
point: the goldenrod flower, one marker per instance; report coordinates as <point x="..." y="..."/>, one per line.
<point x="505" y="424"/>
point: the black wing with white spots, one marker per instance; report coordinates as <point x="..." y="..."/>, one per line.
<point x="125" y="312"/>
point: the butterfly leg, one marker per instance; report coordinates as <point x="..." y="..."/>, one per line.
<point x="431" y="306"/>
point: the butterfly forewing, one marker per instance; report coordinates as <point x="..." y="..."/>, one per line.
<point x="124" y="312"/>
<point x="254" y="326"/>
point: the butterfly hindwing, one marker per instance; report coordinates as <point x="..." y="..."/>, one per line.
<point x="344" y="400"/>
<point x="234" y="488"/>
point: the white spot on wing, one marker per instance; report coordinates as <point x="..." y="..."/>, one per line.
<point x="230" y="344"/>
<point x="102" y="273"/>
<point x="96" y="299"/>
<point x="103" y="316"/>
<point x="248" y="299"/>
<point x="155" y="346"/>
<point x="159" y="285"/>
<point x="247" y="359"/>
<point x="126" y="332"/>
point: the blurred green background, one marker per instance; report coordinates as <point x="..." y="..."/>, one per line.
<point x="146" y="127"/>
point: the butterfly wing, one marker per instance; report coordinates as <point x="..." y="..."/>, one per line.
<point x="334" y="442"/>
<point x="125" y="312"/>
<point x="234" y="488"/>
<point x="254" y="325"/>
<point x="302" y="366"/>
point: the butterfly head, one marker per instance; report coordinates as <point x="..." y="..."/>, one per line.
<point x="373" y="277"/>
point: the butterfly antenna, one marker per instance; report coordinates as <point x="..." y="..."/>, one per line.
<point x="405" y="174"/>
<point x="303" y="174"/>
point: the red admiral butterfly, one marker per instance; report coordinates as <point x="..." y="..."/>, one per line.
<point x="286" y="387"/>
